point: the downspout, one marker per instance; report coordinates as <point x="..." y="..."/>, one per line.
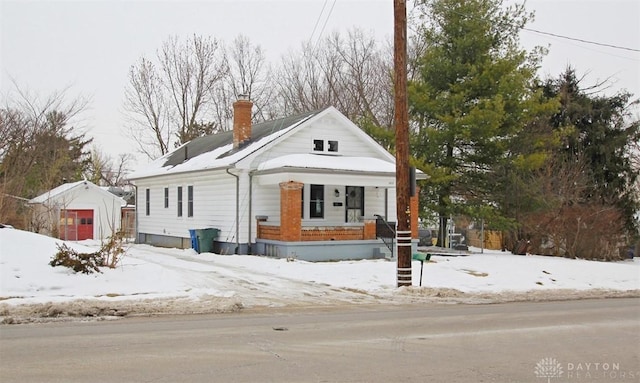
<point x="136" y="210"/>
<point x="237" y="209"/>
<point x="250" y="220"/>
<point x="386" y="204"/>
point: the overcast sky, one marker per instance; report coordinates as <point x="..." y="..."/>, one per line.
<point x="90" y="45"/>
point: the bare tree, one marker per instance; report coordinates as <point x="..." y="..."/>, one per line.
<point x="565" y="222"/>
<point x="248" y="74"/>
<point x="38" y="147"/>
<point x="169" y="105"/>
<point x="107" y="171"/>
<point x="352" y="73"/>
<point x="367" y="74"/>
<point x="149" y="122"/>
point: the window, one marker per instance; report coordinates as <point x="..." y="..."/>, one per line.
<point x="302" y="202"/>
<point x="316" y="205"/>
<point x="179" y="201"/>
<point x="326" y="146"/>
<point x="148" y="201"/>
<point x="189" y="201"/>
<point x="166" y="198"/>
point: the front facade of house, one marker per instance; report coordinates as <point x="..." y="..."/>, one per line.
<point x="308" y="187"/>
<point x="77" y="211"/>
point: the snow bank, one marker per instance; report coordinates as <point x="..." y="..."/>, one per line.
<point x="158" y="280"/>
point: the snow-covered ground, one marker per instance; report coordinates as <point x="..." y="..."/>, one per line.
<point x="152" y="280"/>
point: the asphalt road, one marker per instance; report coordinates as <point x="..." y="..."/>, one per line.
<point x="573" y="341"/>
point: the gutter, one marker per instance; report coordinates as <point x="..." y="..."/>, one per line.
<point x="237" y="209"/>
<point x="369" y="173"/>
<point x="137" y="210"/>
<point x="250" y="220"/>
<point x="225" y="167"/>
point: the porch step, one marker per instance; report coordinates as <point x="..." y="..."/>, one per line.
<point x="382" y="252"/>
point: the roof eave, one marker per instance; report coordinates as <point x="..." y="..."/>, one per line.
<point x="218" y="168"/>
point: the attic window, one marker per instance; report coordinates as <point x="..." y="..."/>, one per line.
<point x="333" y="146"/>
<point x="318" y="145"/>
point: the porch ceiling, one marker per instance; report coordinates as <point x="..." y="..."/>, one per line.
<point x="328" y="170"/>
<point x="325" y="177"/>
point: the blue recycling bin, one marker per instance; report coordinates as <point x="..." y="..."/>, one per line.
<point x="194" y="240"/>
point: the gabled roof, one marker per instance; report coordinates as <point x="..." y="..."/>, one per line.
<point x="217" y="152"/>
<point x="42" y="198"/>
<point x="65" y="188"/>
<point x="212" y="142"/>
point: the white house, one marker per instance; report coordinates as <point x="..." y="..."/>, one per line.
<point x="77" y="211"/>
<point x="308" y="186"/>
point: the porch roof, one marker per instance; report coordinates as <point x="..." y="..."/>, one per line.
<point x="327" y="169"/>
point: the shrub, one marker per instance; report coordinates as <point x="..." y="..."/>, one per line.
<point x="109" y="255"/>
<point x="112" y="250"/>
<point x="86" y="263"/>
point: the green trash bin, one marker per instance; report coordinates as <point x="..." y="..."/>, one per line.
<point x="206" y="237"/>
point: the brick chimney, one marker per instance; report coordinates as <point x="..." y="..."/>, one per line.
<point x="241" y="120"/>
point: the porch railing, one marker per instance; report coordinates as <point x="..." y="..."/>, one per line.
<point x="365" y="231"/>
<point x="386" y="231"/>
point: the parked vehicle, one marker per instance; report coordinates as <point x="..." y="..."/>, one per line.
<point x="424" y="237"/>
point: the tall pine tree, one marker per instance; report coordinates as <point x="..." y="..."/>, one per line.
<point x="472" y="96"/>
<point x="602" y="133"/>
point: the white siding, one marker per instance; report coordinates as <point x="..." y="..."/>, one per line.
<point x="213" y="205"/>
<point x="266" y="201"/>
<point x="349" y="143"/>
<point x="391" y="212"/>
<point x="374" y="202"/>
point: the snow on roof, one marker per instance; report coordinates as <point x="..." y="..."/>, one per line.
<point x="318" y="161"/>
<point x="64" y="188"/>
<point x="42" y="198"/>
<point x="217" y="151"/>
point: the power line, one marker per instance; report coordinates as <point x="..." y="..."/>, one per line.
<point x="318" y="20"/>
<point x="581" y="40"/>
<point x="566" y="37"/>
<point x="325" y="21"/>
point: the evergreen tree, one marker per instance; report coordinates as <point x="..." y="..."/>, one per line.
<point x="39" y="153"/>
<point x="602" y="133"/>
<point x="472" y="95"/>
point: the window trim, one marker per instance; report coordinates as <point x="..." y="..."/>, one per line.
<point x="317" y="145"/>
<point x="313" y="204"/>
<point x="320" y="145"/>
<point x="166" y="198"/>
<point x="179" y="199"/>
<point x="148" y="201"/>
<point x="190" y="201"/>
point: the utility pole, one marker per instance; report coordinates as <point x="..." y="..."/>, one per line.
<point x="401" y="122"/>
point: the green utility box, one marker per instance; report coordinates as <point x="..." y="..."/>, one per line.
<point x="202" y="239"/>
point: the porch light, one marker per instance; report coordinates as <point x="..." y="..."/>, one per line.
<point x="336" y="192"/>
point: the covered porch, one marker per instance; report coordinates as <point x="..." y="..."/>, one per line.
<point x="330" y="213"/>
